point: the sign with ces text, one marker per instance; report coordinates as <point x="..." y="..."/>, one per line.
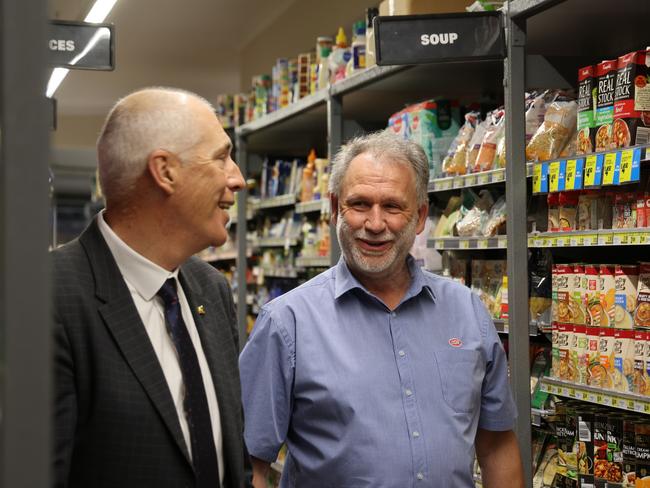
<point x="81" y="45"/>
<point x="418" y="39"/>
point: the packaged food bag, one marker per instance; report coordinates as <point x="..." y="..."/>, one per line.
<point x="455" y="163"/>
<point x="559" y="123"/>
<point x="488" y="150"/>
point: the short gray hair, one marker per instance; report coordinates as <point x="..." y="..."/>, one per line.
<point x="138" y="124"/>
<point x="382" y="144"/>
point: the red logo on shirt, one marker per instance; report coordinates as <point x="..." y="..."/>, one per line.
<point x="455" y="342"/>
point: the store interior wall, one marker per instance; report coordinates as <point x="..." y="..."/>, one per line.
<point x="295" y="32"/>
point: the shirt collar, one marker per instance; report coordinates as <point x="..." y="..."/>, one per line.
<point x="142" y="274"/>
<point x="345" y="280"/>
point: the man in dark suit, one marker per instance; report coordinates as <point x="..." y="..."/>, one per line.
<point x="147" y="385"/>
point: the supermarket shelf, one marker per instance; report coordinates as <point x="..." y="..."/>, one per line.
<point x="279" y="201"/>
<point x="552" y="29"/>
<point x="608" y="237"/>
<point x="276" y="242"/>
<point x="302" y="105"/>
<point x="313" y="262"/>
<point x="502" y="327"/>
<point x="465" y="181"/>
<point x="527" y="8"/>
<point x="365" y="77"/>
<point x="322" y="206"/>
<point x="625" y="401"/>
<point x="537" y="414"/>
<point x="461" y="243"/>
<point x="277" y="272"/>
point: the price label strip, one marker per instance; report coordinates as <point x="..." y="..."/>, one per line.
<point x="570" y="177"/>
<point x="593" y="172"/>
<point x="537" y="178"/>
<point x="554" y="177"/>
<point x="630" y="166"/>
<point x="611" y="169"/>
<point x="483" y="179"/>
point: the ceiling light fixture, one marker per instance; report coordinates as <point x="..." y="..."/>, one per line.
<point x="97" y="14"/>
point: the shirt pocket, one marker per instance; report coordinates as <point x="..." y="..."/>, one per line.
<point x="461" y="378"/>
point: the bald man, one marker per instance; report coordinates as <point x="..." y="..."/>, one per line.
<point x="147" y="385"/>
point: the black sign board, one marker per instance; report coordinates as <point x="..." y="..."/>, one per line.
<point x="416" y="39"/>
<point x="81" y="45"/>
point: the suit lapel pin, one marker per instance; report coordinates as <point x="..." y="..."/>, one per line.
<point x="200" y="309"/>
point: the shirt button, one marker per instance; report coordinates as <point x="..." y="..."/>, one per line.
<point x="401" y="353"/>
<point x="408" y="392"/>
<point x="420" y="476"/>
<point x="393" y="314"/>
<point x="416" y="434"/>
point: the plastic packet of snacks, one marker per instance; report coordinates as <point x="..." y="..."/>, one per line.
<point x="551" y="137"/>
<point x="455" y="163"/>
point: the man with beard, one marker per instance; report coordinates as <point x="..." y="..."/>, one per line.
<point x="376" y="373"/>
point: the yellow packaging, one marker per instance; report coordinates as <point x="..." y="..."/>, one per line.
<point x="604" y="375"/>
<point x="627" y="279"/>
<point x="579" y="353"/>
<point x="641" y="383"/>
<point x="593" y="356"/>
<point x="624" y="360"/>
<point x="607" y="294"/>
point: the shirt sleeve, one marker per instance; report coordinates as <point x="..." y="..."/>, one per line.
<point x="267" y="366"/>
<point x="498" y="411"/>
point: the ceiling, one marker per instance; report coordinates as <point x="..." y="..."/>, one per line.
<point x="193" y="44"/>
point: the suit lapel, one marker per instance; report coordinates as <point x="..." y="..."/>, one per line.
<point x="215" y="339"/>
<point x="124" y="323"/>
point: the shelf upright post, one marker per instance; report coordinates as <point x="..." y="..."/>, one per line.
<point x="334" y="142"/>
<point x="517" y="254"/>
<point x="25" y="310"/>
<point x="242" y="197"/>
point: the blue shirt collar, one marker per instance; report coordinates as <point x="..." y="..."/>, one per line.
<point x="345" y="281"/>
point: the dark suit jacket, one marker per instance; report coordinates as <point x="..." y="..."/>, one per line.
<point x="116" y="424"/>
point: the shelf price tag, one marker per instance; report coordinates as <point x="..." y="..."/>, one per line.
<point x="644" y="238"/>
<point x="630" y="166"/>
<point x="593" y="170"/>
<point x="619" y="239"/>
<point x="537" y="178"/>
<point x="470" y="180"/>
<point x="560" y="241"/>
<point x="464" y="244"/>
<point x="646" y="407"/>
<point x="502" y="242"/>
<point x="483" y="179"/>
<point x="457" y="182"/>
<point x="575" y="241"/>
<point x="610" y="176"/>
<point x="482" y="243"/>
<point x="605" y="239"/>
<point x="499" y="176"/>
<point x="554" y="176"/>
<point x="570" y="177"/>
<point x="633" y="238"/>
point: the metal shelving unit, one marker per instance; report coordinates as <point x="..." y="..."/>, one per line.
<point x="548" y="40"/>
<point x="467" y="243"/>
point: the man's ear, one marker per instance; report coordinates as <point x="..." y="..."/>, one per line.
<point x="163" y="167"/>
<point x="334" y="208"/>
<point x="423" y="213"/>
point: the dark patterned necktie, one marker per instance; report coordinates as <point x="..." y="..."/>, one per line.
<point x="204" y="453"/>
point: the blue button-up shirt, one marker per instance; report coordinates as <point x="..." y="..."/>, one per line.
<point x="368" y="397"/>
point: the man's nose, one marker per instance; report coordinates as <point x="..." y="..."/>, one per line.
<point x="375" y="221"/>
<point x="235" y="179"/>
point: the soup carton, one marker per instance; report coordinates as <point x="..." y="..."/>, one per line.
<point x="626" y="281"/>
<point x="631" y="109"/>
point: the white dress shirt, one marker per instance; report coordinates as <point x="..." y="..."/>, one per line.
<point x="144" y="278"/>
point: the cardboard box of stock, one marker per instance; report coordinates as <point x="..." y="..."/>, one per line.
<point x="410" y="7"/>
